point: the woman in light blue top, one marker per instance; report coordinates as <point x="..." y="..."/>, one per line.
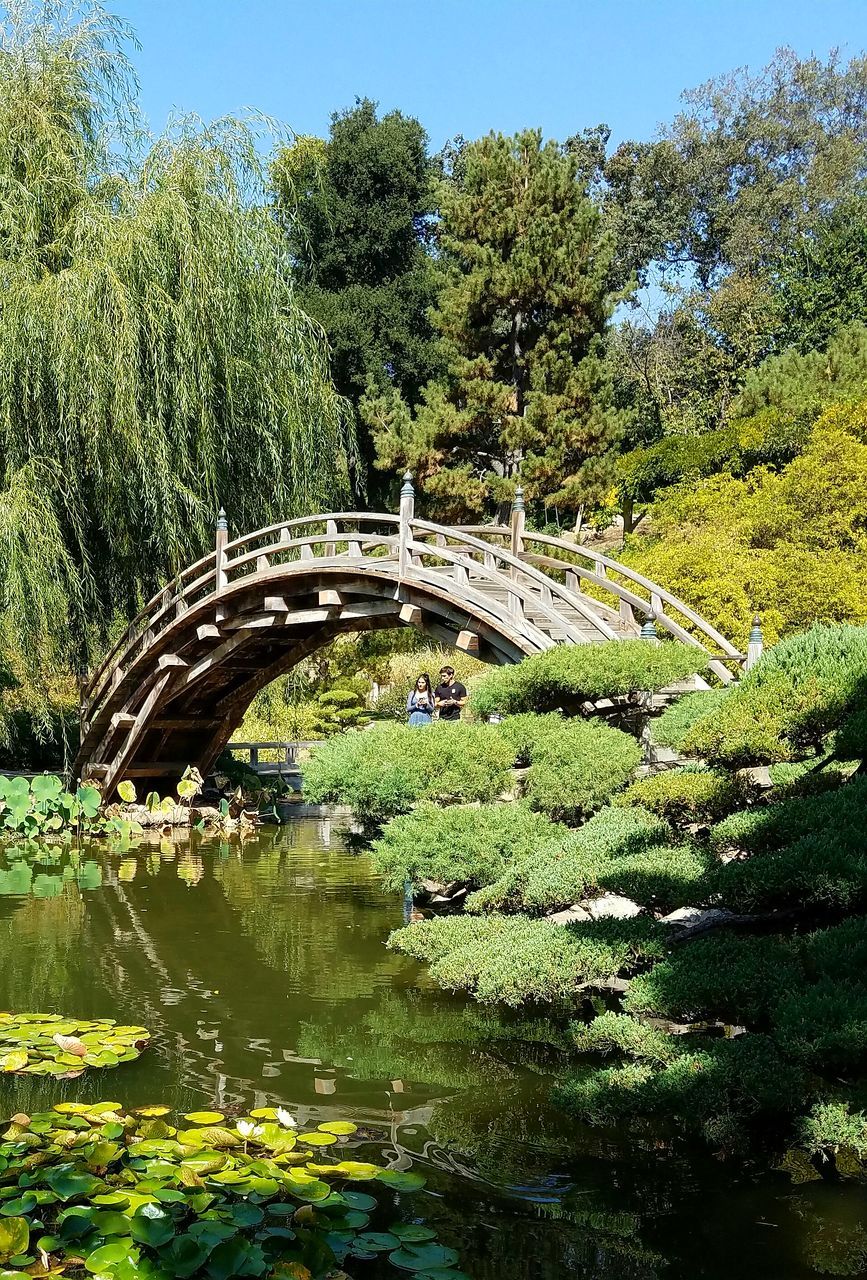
<point x="420" y="703"/>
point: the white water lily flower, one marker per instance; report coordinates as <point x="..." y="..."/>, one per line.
<point x="247" y="1129"/>
<point x="286" y="1119"/>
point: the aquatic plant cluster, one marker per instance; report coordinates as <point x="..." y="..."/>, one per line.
<point x="124" y="1195"/>
<point x="44" y="806"/>
<point x="47" y="1044"/>
<point x="721" y="917"/>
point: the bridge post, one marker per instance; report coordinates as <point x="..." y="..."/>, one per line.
<point x="220" y="540"/>
<point x="756" y="644"/>
<point x="518" y="519"/>
<point x="407" y="512"/>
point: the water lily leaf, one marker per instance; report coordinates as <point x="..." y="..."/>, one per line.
<point x="400" y="1181"/>
<point x="15" y="1061"/>
<point x="14" y="1237"/>
<point x="412" y="1233"/>
<point x="71" y="1108"/>
<point x="68" y="1182"/>
<point x="107" y="1255"/>
<point x="317" y="1139"/>
<point x="126" y="791"/>
<point x="377" y="1241"/>
<point x="152" y="1228"/>
<point x="46" y="786"/>
<point x="152" y="1111"/>
<point x="357" y="1170"/>
<point x="342" y="1128"/>
<point x="264" y="1113"/>
<point x="360" y="1200"/>
<point x="423" y="1257"/>
<point x="205" y="1117"/>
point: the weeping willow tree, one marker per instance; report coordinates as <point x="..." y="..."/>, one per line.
<point x="154" y="363"/>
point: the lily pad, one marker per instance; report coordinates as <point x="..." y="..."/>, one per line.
<point x="205" y="1117"/>
<point x="14" y="1237"/>
<point x="423" y="1257"/>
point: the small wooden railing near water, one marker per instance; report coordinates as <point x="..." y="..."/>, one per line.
<point x="287" y="756"/>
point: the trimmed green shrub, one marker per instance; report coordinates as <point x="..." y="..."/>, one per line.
<point x="384" y="770"/>
<point x="569" y="675"/>
<point x="689" y="795"/>
<point x="564" y="870"/>
<point x="831" y="1125"/>
<point x="839" y="952"/>
<point x="619" y="1033"/>
<point x="472" y="845"/>
<point x="825" y="1024"/>
<point x="671" y="728"/>
<point x="796" y="694"/>
<point x="514" y="959"/>
<point x="576" y="766"/>
<point x="740" y="1077"/>
<point x="622" y="850"/>
<point x="827" y="867"/>
<point x="769" y="827"/>
<point x="726" y="976"/>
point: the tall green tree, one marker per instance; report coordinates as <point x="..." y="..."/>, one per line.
<point x="525" y="304"/>
<point x="154" y="360"/>
<point x="358" y="209"/>
<point x="749" y="209"/>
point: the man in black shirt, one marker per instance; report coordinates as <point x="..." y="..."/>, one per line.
<point x="449" y="695"/>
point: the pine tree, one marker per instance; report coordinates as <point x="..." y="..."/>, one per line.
<point x="359" y="206"/>
<point x="522" y="316"/>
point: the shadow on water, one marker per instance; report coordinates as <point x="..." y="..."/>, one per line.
<point x="261" y="971"/>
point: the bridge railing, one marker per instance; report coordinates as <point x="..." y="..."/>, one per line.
<point x="523" y="581"/>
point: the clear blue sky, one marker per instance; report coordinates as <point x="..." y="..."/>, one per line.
<point x="466" y="66"/>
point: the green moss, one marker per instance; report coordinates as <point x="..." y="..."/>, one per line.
<point x="569" y="675"/>
<point x="473" y="845"/>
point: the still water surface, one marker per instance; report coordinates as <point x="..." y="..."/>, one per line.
<point x="262" y="973"/>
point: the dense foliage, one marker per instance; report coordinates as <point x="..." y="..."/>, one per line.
<point x="569" y="675"/>
<point x="357" y="212"/>
<point x="382" y="771"/>
<point x="469" y="844"/>
<point x="514" y="959"/>
<point x="525" y="299"/>
<point x="792" y="1001"/>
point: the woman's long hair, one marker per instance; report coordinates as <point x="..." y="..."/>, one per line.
<point x="429" y="687"/>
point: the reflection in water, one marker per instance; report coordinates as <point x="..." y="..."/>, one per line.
<point x="262" y="972"/>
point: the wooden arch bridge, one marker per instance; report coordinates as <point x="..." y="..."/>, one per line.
<point x="173" y="688"/>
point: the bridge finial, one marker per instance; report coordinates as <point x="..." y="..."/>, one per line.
<point x="222" y="521"/>
<point x="648" y="627"/>
<point x="518" y="501"/>
<point x="407" y="490"/>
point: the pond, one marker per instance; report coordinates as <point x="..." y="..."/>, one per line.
<point x="261" y="972"/>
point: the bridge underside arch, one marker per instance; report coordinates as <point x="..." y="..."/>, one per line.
<point x="179" y="703"/>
